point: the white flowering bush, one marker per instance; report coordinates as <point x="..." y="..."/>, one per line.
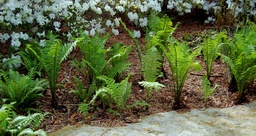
<point x="30" y="19"/>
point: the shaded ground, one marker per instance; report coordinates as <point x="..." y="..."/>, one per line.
<point x="161" y="101"/>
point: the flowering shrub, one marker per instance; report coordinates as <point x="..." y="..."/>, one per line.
<point x="29" y="19"/>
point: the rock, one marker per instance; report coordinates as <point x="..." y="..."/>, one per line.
<point x="234" y="121"/>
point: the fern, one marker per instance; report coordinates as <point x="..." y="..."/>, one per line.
<point x="151" y="65"/>
<point x="211" y="47"/>
<point x="51" y="56"/>
<point x="30" y="61"/>
<point x="21" y="89"/>
<point x="131" y="34"/>
<point x="10" y="63"/>
<point x="150" y="86"/>
<point x="11" y="124"/>
<point x="240" y="55"/>
<point x="80" y="90"/>
<point x="208" y="90"/>
<point x="115" y="92"/>
<point x="181" y="60"/>
<point x="99" y="61"/>
<point x="27" y="125"/>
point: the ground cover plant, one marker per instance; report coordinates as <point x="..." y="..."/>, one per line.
<point x="104" y="59"/>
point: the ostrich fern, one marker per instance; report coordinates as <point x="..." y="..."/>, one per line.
<point x="181" y="61"/>
<point x="240" y="55"/>
<point x="211" y="49"/>
<point x="110" y="93"/>
<point x="51" y="56"/>
<point x="98" y="61"/>
<point x="11" y="124"/>
<point x="21" y="89"/>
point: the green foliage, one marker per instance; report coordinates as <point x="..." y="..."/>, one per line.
<point x="139" y="103"/>
<point x="81" y="91"/>
<point x="151" y="65"/>
<point x="22" y="89"/>
<point x="208" y="90"/>
<point x="117" y="93"/>
<point x="99" y="62"/>
<point x="10" y="63"/>
<point x="160" y="31"/>
<point x="240" y="55"/>
<point x="111" y="93"/>
<point x="150" y="86"/>
<point x="118" y="53"/>
<point x="51" y="57"/>
<point x="181" y="60"/>
<point x="30" y="61"/>
<point x="11" y="124"/>
<point x="131" y="34"/>
<point x="211" y="48"/>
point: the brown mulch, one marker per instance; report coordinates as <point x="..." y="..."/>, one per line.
<point x="161" y="101"/>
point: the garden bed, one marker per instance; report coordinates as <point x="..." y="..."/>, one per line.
<point x="161" y="101"/>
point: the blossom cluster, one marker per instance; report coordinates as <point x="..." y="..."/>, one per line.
<point x="34" y="17"/>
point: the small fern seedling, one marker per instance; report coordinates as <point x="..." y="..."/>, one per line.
<point x="208" y="90"/>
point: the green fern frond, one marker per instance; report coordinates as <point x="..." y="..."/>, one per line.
<point x="211" y="48"/>
<point x="66" y="50"/>
<point x="29" y="131"/>
<point x="117" y="69"/>
<point x="106" y="79"/>
<point x="80" y="90"/>
<point x="151" y="65"/>
<point x="154" y="85"/>
<point x="121" y="92"/>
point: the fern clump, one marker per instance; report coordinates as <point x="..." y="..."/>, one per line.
<point x="211" y="49"/>
<point x="50" y="57"/>
<point x="12" y="124"/>
<point x="110" y="93"/>
<point x="98" y="61"/>
<point x="240" y="55"/>
<point x="21" y="89"/>
<point x="181" y="61"/>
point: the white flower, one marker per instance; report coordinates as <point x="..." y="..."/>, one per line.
<point x="69" y="35"/>
<point x="133" y="16"/>
<point x="56" y="24"/>
<point x="115" y="31"/>
<point x="117" y="23"/>
<point x="85" y="6"/>
<point x="42" y="43"/>
<point x="4" y="37"/>
<point x="120" y="9"/>
<point x="109" y="23"/>
<point x="24" y="36"/>
<point x="92" y="32"/>
<point x="52" y="16"/>
<point x="40" y="35"/>
<point x="107" y="8"/>
<point x="15" y="43"/>
<point x="15" y="35"/>
<point x="143" y="22"/>
<point x="137" y="34"/>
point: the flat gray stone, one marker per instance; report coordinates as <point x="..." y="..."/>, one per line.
<point x="234" y="121"/>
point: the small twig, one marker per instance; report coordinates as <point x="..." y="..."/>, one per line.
<point x="196" y="74"/>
